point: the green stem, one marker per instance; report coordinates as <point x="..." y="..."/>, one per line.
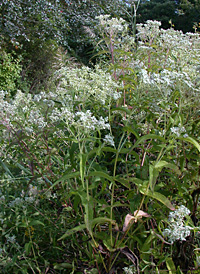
<point x="113" y="186"/>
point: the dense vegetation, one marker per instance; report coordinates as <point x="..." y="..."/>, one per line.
<point x="181" y="14"/>
<point x="99" y="137"/>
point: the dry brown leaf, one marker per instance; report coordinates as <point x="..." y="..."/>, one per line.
<point x="129" y="218"/>
<point x="140" y="214"/>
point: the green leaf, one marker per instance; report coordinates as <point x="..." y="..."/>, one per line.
<point x="118" y="204"/>
<point x="65" y="177"/>
<point x="146" y="137"/>
<point x="101" y="174"/>
<point x="83" y="158"/>
<point x="179" y="270"/>
<point x="154" y="171"/>
<point x="127" y="151"/>
<point x="102" y="220"/>
<point x="161" y="164"/>
<point x="123" y="181"/>
<point x="137" y="181"/>
<point x="122" y="151"/>
<point x="28" y="247"/>
<point x="88" y="217"/>
<point x="87" y="202"/>
<point x="72" y="231"/>
<point x="147" y="244"/>
<point x="63" y="266"/>
<point x="192" y="141"/>
<point x="109" y="149"/>
<point x="68" y="176"/>
<point x="158" y="196"/>
<point x="170" y="266"/>
<point x="108" y="245"/>
<point x="26" y="170"/>
<point x="123" y="109"/>
<point x="36" y="222"/>
<point x="6" y="168"/>
<point x="153" y="175"/>
<point x="131" y="130"/>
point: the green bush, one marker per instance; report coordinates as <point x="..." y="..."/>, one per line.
<point x="10" y="70"/>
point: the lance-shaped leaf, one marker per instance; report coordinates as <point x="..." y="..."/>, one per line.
<point x="72" y="231"/>
<point x="192" y="141"/>
<point x="158" y="196"/>
<point x="154" y="171"/>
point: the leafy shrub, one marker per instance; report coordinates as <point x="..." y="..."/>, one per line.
<point x="10" y="70"/>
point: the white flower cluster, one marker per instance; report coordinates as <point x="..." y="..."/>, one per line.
<point x="5" y="109"/>
<point x="116" y="33"/>
<point x="9" y="110"/>
<point x="36" y="118"/>
<point x="169" y="61"/>
<point x="16" y="202"/>
<point x="166" y="81"/>
<point x="179" y="130"/>
<point x="113" y="25"/>
<point x="30" y="198"/>
<point x="46" y="98"/>
<point x="109" y="139"/>
<point x="81" y="121"/>
<point x="88" y="83"/>
<point x="61" y="114"/>
<point x="88" y="122"/>
<point x="32" y="115"/>
<point x="149" y="30"/>
<point x="129" y="269"/>
<point x="177" y="229"/>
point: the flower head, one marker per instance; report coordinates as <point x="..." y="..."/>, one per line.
<point x="177" y="229"/>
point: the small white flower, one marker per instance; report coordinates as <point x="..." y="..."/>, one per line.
<point x="17" y="202"/>
<point x="108" y="139"/>
<point x="129" y="269"/>
<point x="33" y="191"/>
<point x="179" y="130"/>
<point x="30" y="199"/>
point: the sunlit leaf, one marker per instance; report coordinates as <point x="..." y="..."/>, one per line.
<point x="170" y="265"/>
<point x="158" y="196"/>
<point x="192" y="141"/>
<point x="72" y="231"/>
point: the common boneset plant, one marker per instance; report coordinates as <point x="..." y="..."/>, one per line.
<point x="93" y="151"/>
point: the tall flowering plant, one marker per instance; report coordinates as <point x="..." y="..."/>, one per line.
<point x="112" y="150"/>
